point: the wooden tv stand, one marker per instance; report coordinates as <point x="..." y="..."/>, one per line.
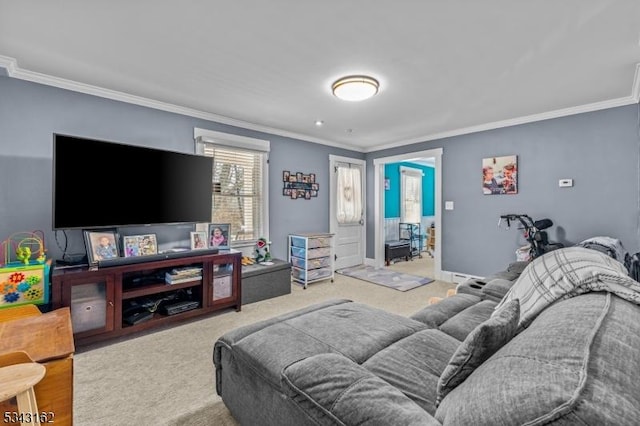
<point x="104" y="301"/>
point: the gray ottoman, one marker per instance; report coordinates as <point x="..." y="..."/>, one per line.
<point x="260" y="282"/>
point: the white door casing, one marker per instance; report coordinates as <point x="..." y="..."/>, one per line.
<point x="378" y="191"/>
<point x="349" y="238"/>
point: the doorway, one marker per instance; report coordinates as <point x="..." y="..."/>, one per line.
<point x="379" y="203"/>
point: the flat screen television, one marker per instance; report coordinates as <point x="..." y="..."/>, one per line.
<point x="101" y="184"/>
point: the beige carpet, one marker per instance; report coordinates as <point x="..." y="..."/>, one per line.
<point x="166" y="377"/>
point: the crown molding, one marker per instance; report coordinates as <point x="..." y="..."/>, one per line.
<point x="14" y="71"/>
<point x="596" y="106"/>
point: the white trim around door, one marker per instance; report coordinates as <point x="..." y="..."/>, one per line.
<point x="378" y="192"/>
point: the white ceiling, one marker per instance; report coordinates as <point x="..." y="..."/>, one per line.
<point x="445" y="67"/>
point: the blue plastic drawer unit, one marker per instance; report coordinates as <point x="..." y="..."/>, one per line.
<point x="313" y="253"/>
<point x="311" y="263"/>
<point x="309" y="243"/>
<point x="311" y="257"/>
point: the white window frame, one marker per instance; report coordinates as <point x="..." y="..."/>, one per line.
<point x="244" y="143"/>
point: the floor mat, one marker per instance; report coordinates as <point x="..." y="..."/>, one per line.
<point x="385" y="277"/>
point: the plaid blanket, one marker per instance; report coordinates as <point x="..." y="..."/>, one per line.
<point x="568" y="272"/>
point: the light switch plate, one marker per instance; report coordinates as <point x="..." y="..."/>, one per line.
<point x="563" y="183"/>
<point x="448" y="205"/>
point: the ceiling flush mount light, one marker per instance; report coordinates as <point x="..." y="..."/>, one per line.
<point x="355" y="88"/>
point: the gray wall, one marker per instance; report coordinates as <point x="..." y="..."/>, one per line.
<point x="598" y="150"/>
<point x="30" y="113"/>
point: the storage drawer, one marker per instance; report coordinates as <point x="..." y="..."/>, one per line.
<point x="313" y="241"/>
<point x="311" y="253"/>
<point x="320" y="262"/>
<point x="311" y="274"/>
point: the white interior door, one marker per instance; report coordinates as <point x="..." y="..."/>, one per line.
<point x="347" y="210"/>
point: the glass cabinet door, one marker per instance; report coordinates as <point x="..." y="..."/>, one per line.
<point x="222" y="284"/>
<point x="91" y="305"/>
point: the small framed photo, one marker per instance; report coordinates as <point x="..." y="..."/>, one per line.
<point x="101" y="245"/>
<point x="139" y="245"/>
<point x="131" y="245"/>
<point x="147" y="244"/>
<point x="285" y="175"/>
<point x="219" y="234"/>
<point x="198" y="240"/>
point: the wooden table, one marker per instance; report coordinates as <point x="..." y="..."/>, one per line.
<point x="28" y="336"/>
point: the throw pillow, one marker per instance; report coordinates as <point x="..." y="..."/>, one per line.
<point x="480" y="344"/>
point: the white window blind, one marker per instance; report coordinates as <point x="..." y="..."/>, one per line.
<point x="239" y="196"/>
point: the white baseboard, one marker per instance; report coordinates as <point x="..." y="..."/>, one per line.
<point x="457" y="277"/>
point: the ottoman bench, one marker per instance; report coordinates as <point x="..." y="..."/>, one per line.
<point x="260" y="282"/>
<point x="396" y="249"/>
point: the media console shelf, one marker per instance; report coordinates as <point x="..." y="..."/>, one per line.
<point x="120" y="300"/>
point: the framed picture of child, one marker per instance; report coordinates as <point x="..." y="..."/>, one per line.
<point x="198" y="240"/>
<point x="101" y="245"/>
<point x="219" y="235"/>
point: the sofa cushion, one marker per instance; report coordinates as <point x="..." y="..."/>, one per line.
<point x="336" y="391"/>
<point x="479" y="345"/>
<point x="414" y="365"/>
<point x="497" y="288"/>
<point x="575" y="364"/>
<point x="435" y="315"/>
<point x="354" y="330"/>
<point x="460" y="325"/>
<point x="565" y="273"/>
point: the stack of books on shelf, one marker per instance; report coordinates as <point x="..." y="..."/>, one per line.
<point x="181" y="275"/>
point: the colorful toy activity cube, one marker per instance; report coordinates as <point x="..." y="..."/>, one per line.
<point x="22" y="284"/>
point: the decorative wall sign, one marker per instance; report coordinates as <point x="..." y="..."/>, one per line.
<point x="298" y="185"/>
<point x="500" y="175"/>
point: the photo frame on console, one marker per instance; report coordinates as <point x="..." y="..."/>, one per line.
<point x="139" y="245"/>
<point x="101" y="244"/>
<point x="198" y="240"/>
<point x="219" y="234"/>
<point x="130" y="246"/>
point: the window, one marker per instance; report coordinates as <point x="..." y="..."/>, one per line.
<point x="411" y="190"/>
<point x="349" y="193"/>
<point x="240" y="175"/>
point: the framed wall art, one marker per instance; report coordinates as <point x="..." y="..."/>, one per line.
<point x="299" y="185"/>
<point x="500" y="175"/>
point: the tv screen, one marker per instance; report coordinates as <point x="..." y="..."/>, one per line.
<point x="98" y="184"/>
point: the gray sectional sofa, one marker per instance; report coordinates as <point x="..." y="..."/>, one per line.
<point x="556" y="341"/>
